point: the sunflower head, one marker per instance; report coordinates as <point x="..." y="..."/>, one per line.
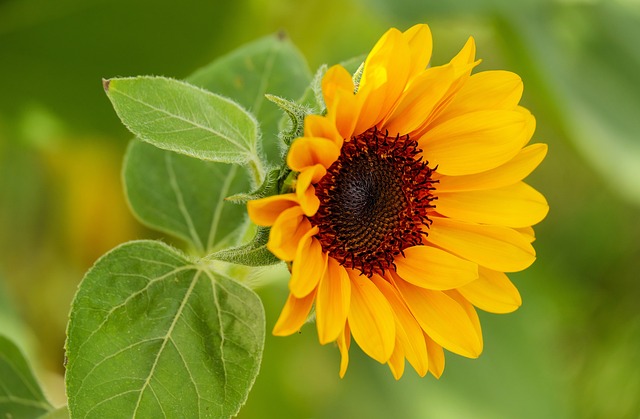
<point x="408" y="205"/>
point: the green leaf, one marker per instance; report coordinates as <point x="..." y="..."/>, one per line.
<point x="183" y="196"/>
<point x="254" y="253"/>
<point x="153" y="334"/>
<point x="268" y="65"/>
<point x="20" y="393"/>
<point x="177" y="116"/>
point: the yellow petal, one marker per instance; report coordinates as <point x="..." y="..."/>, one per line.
<point x="322" y="127"/>
<point x="470" y="310"/>
<point x="483" y="91"/>
<point x="528" y="233"/>
<point x="408" y="331"/>
<point x="462" y="65"/>
<point x="396" y="362"/>
<point x="507" y="174"/>
<point x="417" y="103"/>
<point x="305" y="192"/>
<point x="436" y="357"/>
<point x="306" y="152"/>
<point x="344" y="341"/>
<point x="309" y="265"/>
<point x="492" y="292"/>
<point x="286" y="233"/>
<point x="384" y="78"/>
<point x="265" y="211"/>
<point x="442" y="318"/>
<point x="495" y="247"/>
<point x="432" y="268"/>
<point x="371" y="319"/>
<point x="476" y="142"/>
<point x="332" y="303"/>
<point x="517" y="205"/>
<point x="466" y="55"/>
<point x="420" y="43"/>
<point x="294" y="314"/>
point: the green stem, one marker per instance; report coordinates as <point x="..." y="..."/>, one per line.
<point x="256" y="170"/>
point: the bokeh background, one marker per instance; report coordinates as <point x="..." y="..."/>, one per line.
<point x="573" y="348"/>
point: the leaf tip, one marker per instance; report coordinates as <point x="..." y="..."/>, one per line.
<point x="105" y="84"/>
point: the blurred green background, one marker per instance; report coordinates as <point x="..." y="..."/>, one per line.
<point x="571" y="351"/>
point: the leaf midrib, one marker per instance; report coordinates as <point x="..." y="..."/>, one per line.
<point x="240" y="146"/>
<point x="168" y="338"/>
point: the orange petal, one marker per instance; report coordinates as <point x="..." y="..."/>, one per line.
<point x="342" y="106"/>
<point x="287" y="232"/>
<point x="408" y="331"/>
<point x="306" y="152"/>
<point x="332" y="303"/>
<point x="336" y="80"/>
<point x="322" y="127"/>
<point x="517" y="205"/>
<point x="305" y="192"/>
<point x="507" y="174"/>
<point x="442" y="318"/>
<point x="265" y="211"/>
<point x="492" y="292"/>
<point x="432" y="268"/>
<point x="436" y="357"/>
<point x="294" y="314"/>
<point x="371" y="319"/>
<point x="476" y="142"/>
<point x="309" y="265"/>
<point x="495" y="247"/>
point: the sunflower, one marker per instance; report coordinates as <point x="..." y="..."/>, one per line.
<point x="408" y="206"/>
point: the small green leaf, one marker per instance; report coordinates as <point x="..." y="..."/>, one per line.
<point x="296" y="113"/>
<point x="20" y="393"/>
<point x="268" y="65"/>
<point x="183" y="196"/>
<point x="152" y="334"/>
<point x="177" y="116"/>
<point x="268" y="187"/>
<point x="254" y="253"/>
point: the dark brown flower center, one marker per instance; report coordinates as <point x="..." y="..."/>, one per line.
<point x="374" y="201"/>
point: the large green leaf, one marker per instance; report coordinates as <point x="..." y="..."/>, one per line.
<point x="184" y="196"/>
<point x="177" y="116"/>
<point x="20" y="393"/>
<point x="152" y="334"/>
<point x="269" y="65"/>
